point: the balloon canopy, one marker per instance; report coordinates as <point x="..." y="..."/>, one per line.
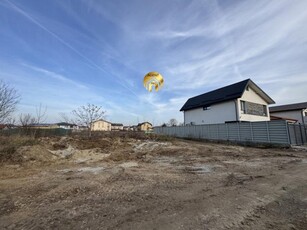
<point x="153" y="79"/>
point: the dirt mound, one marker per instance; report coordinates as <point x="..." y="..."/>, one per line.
<point x="101" y="143"/>
<point x="36" y="153"/>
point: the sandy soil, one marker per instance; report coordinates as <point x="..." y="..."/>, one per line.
<point x="145" y="184"/>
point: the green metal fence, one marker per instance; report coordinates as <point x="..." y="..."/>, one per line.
<point x="36" y="132"/>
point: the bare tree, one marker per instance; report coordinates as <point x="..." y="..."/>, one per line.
<point x="173" y="122"/>
<point x="9" y="98"/>
<point x="87" y="114"/>
<point x="11" y="121"/>
<point x="26" y="120"/>
<point x="64" y="117"/>
<point x="41" y="114"/>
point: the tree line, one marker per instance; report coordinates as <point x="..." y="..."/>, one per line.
<point x="9" y="99"/>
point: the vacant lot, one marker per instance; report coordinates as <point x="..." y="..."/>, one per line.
<point x="149" y="183"/>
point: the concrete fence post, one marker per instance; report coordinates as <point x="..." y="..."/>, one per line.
<point x="251" y="130"/>
<point x="268" y="131"/>
<point x="302" y="138"/>
<point x="288" y="132"/>
<point x="239" y="134"/>
<point x="227" y="131"/>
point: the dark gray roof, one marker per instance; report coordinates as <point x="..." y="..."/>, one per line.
<point x="226" y="93"/>
<point x="296" y="106"/>
<point x="116" y="124"/>
<point x="41" y="125"/>
<point x="102" y="120"/>
<point x="144" y="123"/>
<point x="65" y="124"/>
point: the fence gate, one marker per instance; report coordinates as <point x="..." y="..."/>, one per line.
<point x="297" y="134"/>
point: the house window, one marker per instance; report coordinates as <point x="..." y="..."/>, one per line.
<point x="243" y="106"/>
<point x="247" y="88"/>
<point x="253" y="108"/>
<point x="264" y="110"/>
<point x="206" y="108"/>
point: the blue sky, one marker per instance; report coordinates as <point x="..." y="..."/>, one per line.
<point x="66" y="53"/>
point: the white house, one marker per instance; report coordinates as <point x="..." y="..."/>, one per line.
<point x="242" y="101"/>
<point x="65" y="125"/>
<point x="296" y="112"/>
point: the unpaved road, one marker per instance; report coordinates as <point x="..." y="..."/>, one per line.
<point x="169" y="185"/>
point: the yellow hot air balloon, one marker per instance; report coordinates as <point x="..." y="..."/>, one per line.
<point x="153" y="79"/>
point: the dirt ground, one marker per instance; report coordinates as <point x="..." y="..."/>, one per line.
<point x="126" y="183"/>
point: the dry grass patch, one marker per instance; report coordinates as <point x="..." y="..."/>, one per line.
<point x="10" y="144"/>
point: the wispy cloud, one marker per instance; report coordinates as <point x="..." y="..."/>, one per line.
<point x="90" y="61"/>
<point x="57" y="76"/>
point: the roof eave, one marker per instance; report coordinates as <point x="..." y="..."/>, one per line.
<point x="210" y="104"/>
<point x="284" y="110"/>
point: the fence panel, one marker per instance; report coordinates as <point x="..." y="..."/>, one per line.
<point x="233" y="132"/>
<point x="260" y="132"/>
<point x="278" y="133"/>
<point x="222" y="129"/>
<point x="245" y="132"/>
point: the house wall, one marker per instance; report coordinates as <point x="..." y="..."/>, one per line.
<point x="117" y="127"/>
<point x="67" y="127"/>
<point x="218" y="113"/>
<point x="101" y="126"/>
<point x="294" y="114"/>
<point x="251" y="96"/>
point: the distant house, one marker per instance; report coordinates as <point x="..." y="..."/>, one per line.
<point x="65" y="125"/>
<point x="82" y="127"/>
<point x="4" y="127"/>
<point x="289" y="120"/>
<point x="144" y="126"/>
<point x="297" y="111"/>
<point x="101" y="125"/>
<point x="127" y="128"/>
<point x="117" y="126"/>
<point x="242" y="101"/>
<point x="40" y="126"/>
<point x="131" y="128"/>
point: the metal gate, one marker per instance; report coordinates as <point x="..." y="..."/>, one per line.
<point x="297" y="134"/>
